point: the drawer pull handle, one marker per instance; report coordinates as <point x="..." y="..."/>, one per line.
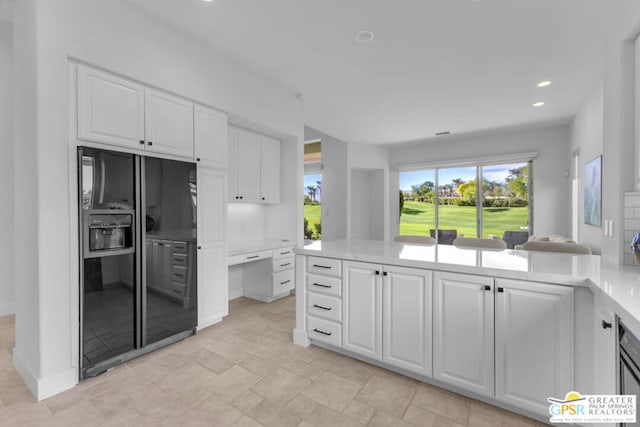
<point x="322" y="332"/>
<point x="322" y="286"/>
<point x="321" y="266"/>
<point x="284" y="253"/>
<point x="284" y="265"/>
<point x="322" y="308"/>
<point x="253" y="257"/>
<point x="285" y="282"/>
<point x="606" y="325"/>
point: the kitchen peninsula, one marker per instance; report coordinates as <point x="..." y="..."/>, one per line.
<point x="508" y="327"/>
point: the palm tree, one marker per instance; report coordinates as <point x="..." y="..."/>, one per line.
<point x="318" y="186"/>
<point x="457" y="182"/>
<point x="311" y="189"/>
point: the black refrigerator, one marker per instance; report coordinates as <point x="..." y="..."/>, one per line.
<point x="138" y="281"/>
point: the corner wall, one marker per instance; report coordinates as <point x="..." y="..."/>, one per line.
<point x="7" y="293"/>
<point x="586" y="134"/>
<point x="551" y="186"/>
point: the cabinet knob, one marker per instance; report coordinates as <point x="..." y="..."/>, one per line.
<point x="199" y="247"/>
<point x="487" y="287"/>
<point x="384" y="273"/>
<point x="142" y="141"/>
<point x="377" y="273"/>
<point x="237" y="197"/>
<point x="150" y="143"/>
<point x="240" y="197"/>
<point x="500" y="289"/>
<point x="263" y="198"/>
<point x="606" y="325"/>
<point x="198" y="159"/>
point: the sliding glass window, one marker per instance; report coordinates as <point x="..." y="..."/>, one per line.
<point x="489" y="200"/>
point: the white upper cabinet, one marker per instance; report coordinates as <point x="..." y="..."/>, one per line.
<point x="406" y="318"/>
<point x="534" y="343"/>
<point x="362" y="309"/>
<point x="110" y="109"/>
<point x="463" y="331"/>
<point x="168" y="124"/>
<point x="270" y="170"/>
<point x="116" y="111"/>
<point x="249" y="166"/>
<point x="254" y="167"/>
<point x="210" y="133"/>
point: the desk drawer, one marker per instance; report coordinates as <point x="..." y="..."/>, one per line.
<point x="248" y="257"/>
<point x="180" y="247"/>
<point x="325" y="306"/>
<point x="324" y="266"/>
<point x="283" y="281"/>
<point x="178" y="290"/>
<point x="324" y="330"/>
<point x="326" y="285"/>
<point x="284" y="264"/>
<point x="282" y="253"/>
<point x="179" y="260"/>
<point x="179" y="275"/>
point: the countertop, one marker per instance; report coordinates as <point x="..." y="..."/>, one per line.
<point x="615" y="283"/>
<point x="257" y="246"/>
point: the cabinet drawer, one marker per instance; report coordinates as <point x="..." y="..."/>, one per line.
<point x="178" y="289"/>
<point x="284" y="264"/>
<point x="179" y="275"/>
<point x="326" y="285"/>
<point x="180" y="247"/>
<point x="324" y="330"/>
<point x="325" y="306"/>
<point x="282" y="253"/>
<point x="248" y="257"/>
<point x="179" y="260"/>
<point x="283" y="281"/>
<point x="324" y="266"/>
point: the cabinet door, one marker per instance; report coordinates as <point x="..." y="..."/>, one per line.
<point x="233" y="139"/>
<point x="270" y="170"/>
<point x="168" y="124"/>
<point x="463" y="331"/>
<point x="210" y="135"/>
<point x="534" y="343"/>
<point x="248" y="166"/>
<point x="605" y="345"/>
<point x="362" y="309"/>
<point x="110" y="109"/>
<point x="212" y="289"/>
<point x="407" y="319"/>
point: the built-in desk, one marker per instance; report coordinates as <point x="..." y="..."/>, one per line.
<point x="263" y="270"/>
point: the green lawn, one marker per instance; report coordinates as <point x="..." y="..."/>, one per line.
<point x="312" y="213"/>
<point x="418" y="217"/>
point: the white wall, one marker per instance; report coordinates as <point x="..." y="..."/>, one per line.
<point x="586" y="135"/>
<point x="551" y="188"/>
<point x="334" y="184"/>
<point x="366" y="202"/>
<point x="114" y="36"/>
<point x="7" y="298"/>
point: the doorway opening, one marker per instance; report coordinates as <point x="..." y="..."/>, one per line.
<point x="312" y="191"/>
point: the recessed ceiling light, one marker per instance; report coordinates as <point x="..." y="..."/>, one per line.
<point x="538" y="104"/>
<point x="544" y="83"/>
<point x="302" y="97"/>
<point x="364" y="36"/>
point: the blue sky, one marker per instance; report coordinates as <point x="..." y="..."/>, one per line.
<point x="492" y="173"/>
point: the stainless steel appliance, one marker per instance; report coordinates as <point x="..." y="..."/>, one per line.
<point x="139" y="285"/>
<point x="629" y="351"/>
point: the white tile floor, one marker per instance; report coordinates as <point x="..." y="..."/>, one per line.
<point x="244" y="371"/>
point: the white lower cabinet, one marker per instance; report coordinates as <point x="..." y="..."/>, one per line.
<point x="362" y="309"/>
<point x="534" y="343"/>
<point x="463" y="331"/>
<point x="406" y="313"/>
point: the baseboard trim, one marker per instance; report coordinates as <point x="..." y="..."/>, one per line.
<point x="47" y="387"/>
<point x="235" y="294"/>
<point x="300" y="338"/>
<point x="7" y="309"/>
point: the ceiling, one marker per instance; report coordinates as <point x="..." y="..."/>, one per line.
<point x="438" y="65"/>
